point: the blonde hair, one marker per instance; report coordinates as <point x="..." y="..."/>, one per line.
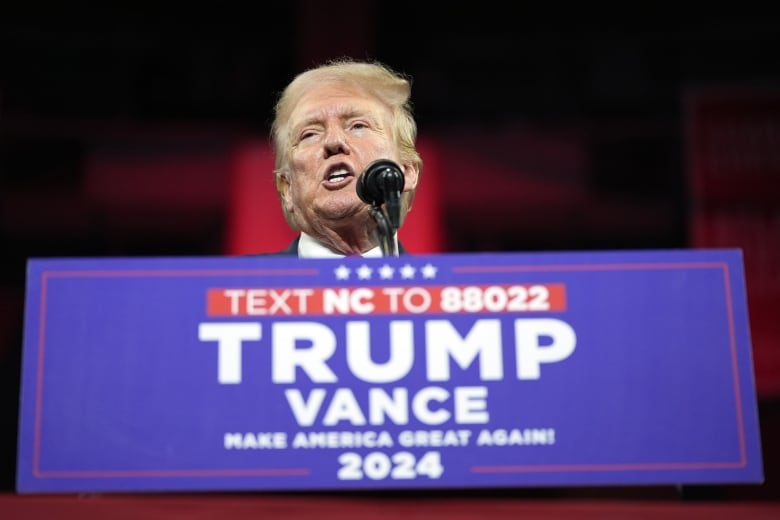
<point x="390" y="87"/>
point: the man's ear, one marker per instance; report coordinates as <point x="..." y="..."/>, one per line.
<point x="283" y="189"/>
<point x="411" y="176"/>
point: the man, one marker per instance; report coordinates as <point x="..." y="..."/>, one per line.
<point x="330" y="123"/>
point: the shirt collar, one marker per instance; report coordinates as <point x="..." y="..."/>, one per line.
<point x="309" y="247"/>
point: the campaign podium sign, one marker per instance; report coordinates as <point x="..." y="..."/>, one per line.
<point x="274" y="373"/>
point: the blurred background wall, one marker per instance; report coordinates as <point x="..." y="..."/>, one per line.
<point x="142" y="130"/>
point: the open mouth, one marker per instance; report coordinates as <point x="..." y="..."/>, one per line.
<point x="338" y="175"/>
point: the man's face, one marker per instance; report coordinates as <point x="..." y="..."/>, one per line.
<point x="336" y="130"/>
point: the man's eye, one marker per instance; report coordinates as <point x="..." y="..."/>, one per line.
<point x="359" y="125"/>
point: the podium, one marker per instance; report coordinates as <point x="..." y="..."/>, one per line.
<point x="489" y="370"/>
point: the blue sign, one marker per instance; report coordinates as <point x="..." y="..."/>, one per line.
<point x="433" y="371"/>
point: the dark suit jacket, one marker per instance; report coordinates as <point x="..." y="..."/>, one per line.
<point x="292" y="249"/>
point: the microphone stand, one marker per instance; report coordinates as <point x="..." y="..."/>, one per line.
<point x="385" y="232"/>
<point x="381" y="186"/>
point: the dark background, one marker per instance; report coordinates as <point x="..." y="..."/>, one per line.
<point x="601" y="88"/>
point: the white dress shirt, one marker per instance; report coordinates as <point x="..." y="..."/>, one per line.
<point x="309" y="247"/>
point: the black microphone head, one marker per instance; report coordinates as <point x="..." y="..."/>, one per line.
<point x="380" y="177"/>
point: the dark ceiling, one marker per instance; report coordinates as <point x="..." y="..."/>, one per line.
<point x="500" y="63"/>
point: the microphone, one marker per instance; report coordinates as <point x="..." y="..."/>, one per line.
<point x="382" y="183"/>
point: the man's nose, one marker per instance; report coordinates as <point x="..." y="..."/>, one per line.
<point x="335" y="142"/>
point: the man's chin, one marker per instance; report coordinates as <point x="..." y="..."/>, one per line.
<point x="357" y="211"/>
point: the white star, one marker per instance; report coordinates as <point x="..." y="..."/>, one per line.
<point x="341" y="272"/>
<point x="386" y="272"/>
<point x="407" y="271"/>
<point x="364" y="272"/>
<point x="428" y="271"/>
